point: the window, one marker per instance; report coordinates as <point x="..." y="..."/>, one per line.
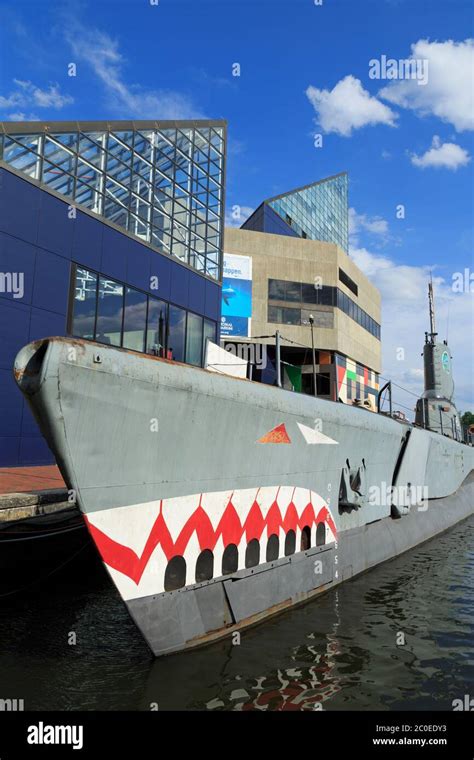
<point x="284" y="290"/>
<point x="284" y="316"/>
<point x="276" y="290"/>
<point x="273" y="548"/>
<point x="320" y="534"/>
<point x="300" y="293"/>
<point x="327" y="295"/>
<point x="209" y="332"/>
<point x="85" y="299"/>
<point x="321" y="318"/>
<point x="204" y="566"/>
<point x="252" y="553"/>
<point x="194" y="340"/>
<point x="115" y="314"/>
<point x="175" y="574"/>
<point x="344" y="302"/>
<point x="156" y="330"/>
<point x="290" y="543"/>
<point x="109" y="312"/>
<point x="348" y="282"/>
<point x="134" y="319"/>
<point x="176" y="333"/>
<point x="293" y="292"/>
<point x="230" y="560"/>
<point x="348" y="306"/>
<point x="305" y="538"/>
<point x="309" y="293"/>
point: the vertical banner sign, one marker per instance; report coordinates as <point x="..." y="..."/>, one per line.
<point x="236" y="295"/>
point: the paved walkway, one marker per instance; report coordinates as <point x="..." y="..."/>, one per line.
<point x="28" y="479"/>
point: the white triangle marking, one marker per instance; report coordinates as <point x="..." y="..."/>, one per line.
<point x="314" y="436"/>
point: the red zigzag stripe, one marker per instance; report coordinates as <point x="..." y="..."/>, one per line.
<point x="126" y="561"/>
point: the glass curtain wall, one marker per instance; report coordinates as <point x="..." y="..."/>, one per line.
<point x="115" y="314"/>
<point x="164" y="186"/>
<point x="318" y="211"/>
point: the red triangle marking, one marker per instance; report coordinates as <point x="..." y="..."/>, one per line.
<point x="277" y="435"/>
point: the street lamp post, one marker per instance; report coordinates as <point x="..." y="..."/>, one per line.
<point x="278" y="357"/>
<point x="311" y="322"/>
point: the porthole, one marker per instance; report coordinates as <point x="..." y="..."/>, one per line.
<point x="305" y="538"/>
<point x="252" y="553"/>
<point x="230" y="559"/>
<point x="273" y="548"/>
<point x="290" y="543"/>
<point x="175" y="574"/>
<point x="321" y="534"/>
<point x="205" y="566"/>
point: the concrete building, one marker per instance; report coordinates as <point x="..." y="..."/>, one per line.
<point x="295" y="278"/>
<point x="109" y="231"/>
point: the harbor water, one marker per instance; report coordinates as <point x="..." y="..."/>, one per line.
<point x="400" y="637"/>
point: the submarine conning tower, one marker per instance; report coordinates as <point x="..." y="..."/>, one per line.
<point x="435" y="409"/>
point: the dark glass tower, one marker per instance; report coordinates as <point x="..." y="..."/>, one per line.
<point x="319" y="211"/>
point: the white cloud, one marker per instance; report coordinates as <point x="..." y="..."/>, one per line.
<point x="376" y="225"/>
<point x="237" y="215"/>
<point x="445" y="155"/>
<point x="28" y="95"/>
<point x="348" y="106"/>
<point x="21" y="116"/>
<point x="449" y="92"/>
<point x="102" y="54"/>
<point x="405" y="319"/>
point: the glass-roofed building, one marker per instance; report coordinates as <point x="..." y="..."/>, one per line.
<point x="109" y="231"/>
<point x="319" y="211"/>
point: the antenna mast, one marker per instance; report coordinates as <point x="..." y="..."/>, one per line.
<point x="431" y="302"/>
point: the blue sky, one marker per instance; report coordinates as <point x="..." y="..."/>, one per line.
<point x="304" y="69"/>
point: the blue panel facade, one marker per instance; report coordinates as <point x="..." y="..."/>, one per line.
<point x="179" y="288"/>
<point x="160" y="273"/>
<point x="213" y="301"/>
<point x="40" y="241"/>
<point x="264" y="219"/>
<point x="55" y="231"/>
<point x="87" y="241"/>
<point x="19" y="213"/>
<point x="255" y="221"/>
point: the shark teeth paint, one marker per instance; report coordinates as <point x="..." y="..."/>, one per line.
<point x="137" y="542"/>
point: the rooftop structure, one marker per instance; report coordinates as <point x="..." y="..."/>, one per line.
<point x="161" y="181"/>
<point x="319" y="211"/>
